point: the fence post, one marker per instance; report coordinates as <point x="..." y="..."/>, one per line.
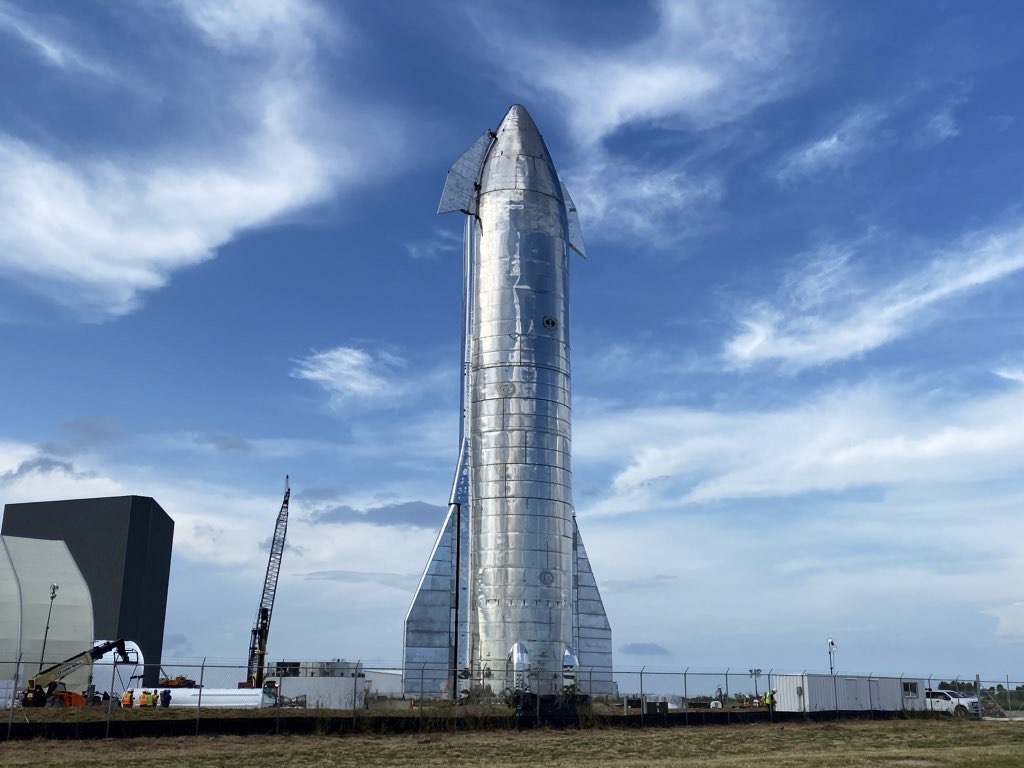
<point x="1007" y="695"/>
<point x="686" y="699"/>
<point x="725" y="704"/>
<point x="14" y="693"/>
<point x="835" y="693"/>
<point x="277" y="706"/>
<point x="871" y="708"/>
<point x="423" y="668"/>
<point x="110" y="703"/>
<point x="771" y="709"/>
<point x="977" y="695"/>
<point x="643" y="702"/>
<point x="199" y="701"/>
<point x="903" y="698"/>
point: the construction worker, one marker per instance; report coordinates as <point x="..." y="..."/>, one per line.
<point x="769" y="700"/>
<point x="128" y="699"/>
<point x="154" y="700"/>
<point x="144" y="699"/>
<point x="165" y="697"/>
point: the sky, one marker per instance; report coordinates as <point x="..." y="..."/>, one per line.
<point x="798" y="347"/>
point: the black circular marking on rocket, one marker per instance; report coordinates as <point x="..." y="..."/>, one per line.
<point x="547" y="578"/>
<point x="549" y="322"/>
<point x="507" y="389"/>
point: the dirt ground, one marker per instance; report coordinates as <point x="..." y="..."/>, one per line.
<point x="912" y="744"/>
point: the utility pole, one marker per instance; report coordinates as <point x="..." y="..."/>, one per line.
<point x="831" y="656"/>
<point x="42" y="653"/>
<point x="755" y="673"/>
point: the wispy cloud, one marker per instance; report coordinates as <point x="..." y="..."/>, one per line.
<point x="351" y="375"/>
<point x="645" y="649"/>
<point x="941" y="123"/>
<point x="444" y="242"/>
<point x="867" y="436"/>
<point x="413" y="513"/>
<point x="1011" y="374"/>
<point x="94" y="231"/>
<point x="846" y="319"/>
<point x="704" y="63"/>
<point x="841" y="148"/>
<point x="51" y="49"/>
<point x="626" y="200"/>
<point x="911" y="122"/>
<point x="852" y="492"/>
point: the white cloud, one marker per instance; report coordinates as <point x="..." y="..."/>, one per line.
<point x="941" y="124"/>
<point x="847" y="321"/>
<point x="52" y="50"/>
<point x="876" y="503"/>
<point x="625" y="200"/>
<point x="843" y="147"/>
<point x="95" y="231"/>
<point x="870" y="436"/>
<point x="444" y="242"/>
<point x="220" y="555"/>
<point x="232" y="24"/>
<point x="351" y="375"/>
<point x="938" y="128"/>
<point x="703" y="64"/>
<point x="1011" y="374"/>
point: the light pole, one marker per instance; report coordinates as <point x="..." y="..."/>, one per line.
<point x="42" y="653"/>
<point x="755" y="673"/>
<point x="831" y="656"/>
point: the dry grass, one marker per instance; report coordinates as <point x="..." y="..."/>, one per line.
<point x="894" y="743"/>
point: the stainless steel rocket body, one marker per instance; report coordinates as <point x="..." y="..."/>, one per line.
<point x="508" y="597"/>
<point x="519" y="415"/>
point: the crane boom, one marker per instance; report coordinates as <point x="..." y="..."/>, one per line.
<point x="261" y="627"/>
<point x="63" y="669"/>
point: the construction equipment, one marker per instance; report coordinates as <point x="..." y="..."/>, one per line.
<point x="261" y="628"/>
<point x="48" y="681"/>
<point x="179" y="681"/>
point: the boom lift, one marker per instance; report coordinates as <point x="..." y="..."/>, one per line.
<point x="261" y="628"/>
<point x="58" y="695"/>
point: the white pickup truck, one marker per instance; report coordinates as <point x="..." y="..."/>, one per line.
<point x="952" y="703"/>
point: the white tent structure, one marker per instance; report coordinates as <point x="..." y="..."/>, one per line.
<point x="27" y="569"/>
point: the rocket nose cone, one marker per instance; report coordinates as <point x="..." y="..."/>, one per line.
<point x="519" y="130"/>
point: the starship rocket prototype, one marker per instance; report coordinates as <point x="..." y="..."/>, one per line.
<point x="508" y="603"/>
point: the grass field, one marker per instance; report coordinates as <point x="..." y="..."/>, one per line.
<point x="909" y="744"/>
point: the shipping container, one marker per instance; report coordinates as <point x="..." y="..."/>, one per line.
<point x="846" y="693"/>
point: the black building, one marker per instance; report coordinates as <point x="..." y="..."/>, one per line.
<point x="122" y="546"/>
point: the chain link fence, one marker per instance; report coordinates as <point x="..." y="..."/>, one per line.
<point x="191" y="690"/>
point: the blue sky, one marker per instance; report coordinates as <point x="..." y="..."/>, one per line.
<point x="798" y="341"/>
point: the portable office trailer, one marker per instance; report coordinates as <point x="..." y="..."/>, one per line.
<point x="324" y="692"/>
<point x="846" y="693"/>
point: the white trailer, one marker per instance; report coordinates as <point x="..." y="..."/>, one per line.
<point x="323" y="692"/>
<point x="384" y="682"/>
<point x="846" y="693"/>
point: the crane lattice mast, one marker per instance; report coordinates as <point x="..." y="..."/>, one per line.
<point x="261" y="627"/>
